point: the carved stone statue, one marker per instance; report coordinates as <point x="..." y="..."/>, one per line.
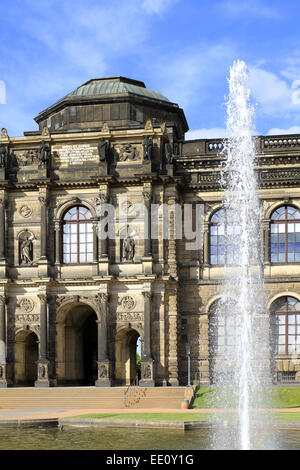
<point x="168" y="152"/>
<point x="44" y="154"/>
<point x="128" y="248"/>
<point x="148" y="148"/>
<point x="26" y="250"/>
<point x="103" y="150"/>
<point x="4" y="133"/>
<point x="3" y="156"/>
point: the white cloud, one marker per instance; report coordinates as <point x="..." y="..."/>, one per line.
<point x="272" y="93"/>
<point x="290" y="130"/>
<point x="157" y="6"/>
<point x="213" y="133"/>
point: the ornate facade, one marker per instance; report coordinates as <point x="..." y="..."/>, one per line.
<point x="73" y="303"/>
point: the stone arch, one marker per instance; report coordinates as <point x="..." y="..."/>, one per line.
<point x="76" y="342"/>
<point x="212" y="211"/>
<point x="216" y="298"/>
<point x="278" y="204"/>
<point x="72" y="202"/>
<point x="281" y="294"/>
<point x="125" y="354"/>
<point x="26" y="352"/>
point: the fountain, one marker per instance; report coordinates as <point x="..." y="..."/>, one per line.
<point x="240" y="331"/>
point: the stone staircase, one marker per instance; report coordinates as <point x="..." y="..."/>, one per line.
<point x="62" y="397"/>
<point x="90" y="398"/>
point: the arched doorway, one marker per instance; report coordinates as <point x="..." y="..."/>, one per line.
<point x="26" y="357"/>
<point x="76" y="345"/>
<point x="126" y="369"/>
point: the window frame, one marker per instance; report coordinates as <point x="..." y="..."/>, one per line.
<point x="78" y="222"/>
<point x="286" y="313"/>
<point x="284" y="222"/>
<point x="226" y="224"/>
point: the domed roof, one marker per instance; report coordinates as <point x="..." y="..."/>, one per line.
<point x="115" y="86"/>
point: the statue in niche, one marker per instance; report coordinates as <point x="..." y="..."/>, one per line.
<point x="168" y="152"/>
<point x="148" y="149"/>
<point x="26" y="249"/>
<point x="103" y="148"/>
<point x="3" y="156"/>
<point x="44" y="154"/>
<point x="128" y="248"/>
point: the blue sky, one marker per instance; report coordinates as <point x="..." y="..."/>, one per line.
<point x="182" y="48"/>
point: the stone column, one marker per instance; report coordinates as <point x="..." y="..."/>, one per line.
<point x="3" y="381"/>
<point x="173" y="342"/>
<point x="103" y="243"/>
<point x="57" y="229"/>
<point x="104" y="365"/>
<point x="43" y="363"/>
<point x="147" y="202"/>
<point x="43" y="230"/>
<point x="147" y="376"/>
<point x="266" y="241"/>
<point x="2" y="229"/>
<point x="43" y="261"/>
<point x="206" y="257"/>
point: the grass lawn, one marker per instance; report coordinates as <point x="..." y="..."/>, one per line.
<point x="274" y="397"/>
<point x="281" y="416"/>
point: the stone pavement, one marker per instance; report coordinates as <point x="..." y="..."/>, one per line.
<point x="29" y="414"/>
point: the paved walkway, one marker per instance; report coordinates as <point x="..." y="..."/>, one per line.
<point x="24" y="414"/>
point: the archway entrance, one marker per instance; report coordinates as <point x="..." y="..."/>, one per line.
<point x="76" y="345"/>
<point x="126" y="370"/>
<point x="26" y="356"/>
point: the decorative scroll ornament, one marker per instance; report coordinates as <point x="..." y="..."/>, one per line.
<point x="27" y="305"/>
<point x="128" y="302"/>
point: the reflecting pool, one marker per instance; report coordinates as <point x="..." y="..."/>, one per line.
<point x="88" y="438"/>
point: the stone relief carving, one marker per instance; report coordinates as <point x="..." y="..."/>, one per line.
<point x="147" y="371"/>
<point x="27" y="318"/>
<point x="103" y="372"/>
<point x="27" y="305"/>
<point x="129" y="316"/>
<point x="128" y="302"/>
<point x="128" y="152"/>
<point x="25" y="211"/>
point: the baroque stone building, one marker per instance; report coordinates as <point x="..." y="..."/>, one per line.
<point x="73" y="303"/>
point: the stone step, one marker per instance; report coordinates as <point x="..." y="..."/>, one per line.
<point x="90" y="397"/>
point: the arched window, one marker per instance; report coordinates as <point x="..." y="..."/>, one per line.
<point x="223" y="238"/>
<point x="77" y="236"/>
<point x="286" y="326"/>
<point x="285" y="235"/>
